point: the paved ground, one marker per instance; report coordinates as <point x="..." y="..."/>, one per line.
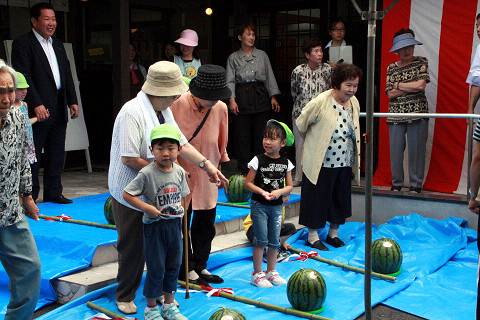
<point x="78" y="182"/>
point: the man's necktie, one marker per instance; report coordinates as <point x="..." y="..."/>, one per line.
<point x="161" y="119"/>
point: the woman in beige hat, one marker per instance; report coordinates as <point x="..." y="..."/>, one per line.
<point x="129" y="153"/>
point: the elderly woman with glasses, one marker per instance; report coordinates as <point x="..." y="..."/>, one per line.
<point x="406" y="82"/>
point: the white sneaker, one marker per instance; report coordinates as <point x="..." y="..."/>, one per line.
<point x="259" y="280"/>
<point x="152" y="314"/>
<point x="274" y="278"/>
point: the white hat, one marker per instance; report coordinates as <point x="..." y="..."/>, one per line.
<point x="164" y="79"/>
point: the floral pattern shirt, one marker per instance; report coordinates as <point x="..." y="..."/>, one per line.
<point x="15" y="173"/>
<point x="414" y="102"/>
<point x="307" y="83"/>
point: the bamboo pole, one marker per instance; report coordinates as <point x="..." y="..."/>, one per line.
<point x="186" y="247"/>
<point x="228" y="204"/>
<point x="346" y="266"/>
<point x="109" y="313"/>
<point x="261" y="304"/>
<point x="86" y="223"/>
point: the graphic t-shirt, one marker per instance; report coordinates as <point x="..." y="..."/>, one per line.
<point x="270" y="176"/>
<point x="162" y="189"/>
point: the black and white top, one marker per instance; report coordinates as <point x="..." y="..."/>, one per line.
<point x="340" y="150"/>
<point x="270" y="176"/>
<point x="15" y="173"/>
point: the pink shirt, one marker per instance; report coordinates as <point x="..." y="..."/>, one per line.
<point x="211" y="141"/>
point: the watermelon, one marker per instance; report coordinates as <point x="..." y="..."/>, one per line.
<point x="306" y="290"/>
<point x="227" y="314"/>
<point x="386" y="256"/>
<point x="108" y="211"/>
<point x="235" y="191"/>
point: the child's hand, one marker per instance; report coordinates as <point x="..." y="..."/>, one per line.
<point x="276" y="194"/>
<point x="152" y="211"/>
<point x="267" y="195"/>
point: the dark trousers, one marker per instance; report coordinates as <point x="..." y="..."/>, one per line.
<point x="163" y="255"/>
<point x="202" y="233"/>
<point x="49" y="136"/>
<point x="131" y="256"/>
<point x="248" y="137"/>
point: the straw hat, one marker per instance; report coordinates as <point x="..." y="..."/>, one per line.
<point x="210" y="83"/>
<point x="164" y="79"/>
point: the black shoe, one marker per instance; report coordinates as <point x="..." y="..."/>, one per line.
<point x="60" y="199"/>
<point x="335" y="242"/>
<point x="199" y="282"/>
<point x="396" y="188"/>
<point x="415" y="190"/>
<point x="317" y="245"/>
<point x="210" y="278"/>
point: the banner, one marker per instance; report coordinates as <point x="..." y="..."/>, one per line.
<point x="447" y="31"/>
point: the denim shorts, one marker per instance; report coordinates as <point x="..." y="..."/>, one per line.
<point x="266" y="224"/>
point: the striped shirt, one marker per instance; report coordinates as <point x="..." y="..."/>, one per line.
<point x="476" y="133"/>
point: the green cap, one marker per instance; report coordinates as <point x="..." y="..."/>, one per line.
<point x="165" y="131"/>
<point x="187" y="80"/>
<point x="288" y="132"/>
<point x="22" y="82"/>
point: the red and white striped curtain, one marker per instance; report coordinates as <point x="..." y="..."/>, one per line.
<point x="447" y="30"/>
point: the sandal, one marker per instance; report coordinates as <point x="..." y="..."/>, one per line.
<point x="396" y="188"/>
<point x="415" y="190"/>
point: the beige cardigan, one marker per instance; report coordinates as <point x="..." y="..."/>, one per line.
<point x="318" y="120"/>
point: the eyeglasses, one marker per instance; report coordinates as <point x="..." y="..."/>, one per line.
<point x="339" y="30"/>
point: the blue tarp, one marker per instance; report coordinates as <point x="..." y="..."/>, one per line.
<point x="65" y="248"/>
<point x="439" y="257"/>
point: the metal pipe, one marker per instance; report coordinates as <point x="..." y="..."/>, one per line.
<point x="423" y="115"/>
<point x="372" y="31"/>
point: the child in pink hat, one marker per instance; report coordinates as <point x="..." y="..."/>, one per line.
<point x="188" y="61"/>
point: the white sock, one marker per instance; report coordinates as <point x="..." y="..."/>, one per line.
<point x="205" y="272"/>
<point x="333" y="231"/>
<point x="166" y="306"/>
<point x="192" y="275"/>
<point x="312" y="235"/>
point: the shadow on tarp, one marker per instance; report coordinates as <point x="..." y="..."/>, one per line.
<point x="428" y="246"/>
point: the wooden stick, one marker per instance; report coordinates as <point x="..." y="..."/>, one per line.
<point x="109" y="313"/>
<point x="86" y="223"/>
<point x="346" y="266"/>
<point x="185" y="243"/>
<point x="228" y="204"/>
<point x="260" y="304"/>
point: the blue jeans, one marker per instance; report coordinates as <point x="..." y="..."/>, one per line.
<point x="163" y="255"/>
<point x="266" y="224"/>
<point x="19" y="256"/>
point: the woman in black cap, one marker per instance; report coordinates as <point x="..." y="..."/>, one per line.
<point x="203" y="119"/>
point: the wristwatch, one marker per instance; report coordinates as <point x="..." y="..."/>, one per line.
<point x="202" y="164"/>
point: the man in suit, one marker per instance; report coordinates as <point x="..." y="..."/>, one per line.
<point x="44" y="63"/>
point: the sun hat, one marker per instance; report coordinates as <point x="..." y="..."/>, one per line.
<point x="210" y="83"/>
<point x="288" y="132"/>
<point x="164" y="79"/>
<point x="165" y="131"/>
<point x="404" y="40"/>
<point x="22" y="82"/>
<point x="188" y="37"/>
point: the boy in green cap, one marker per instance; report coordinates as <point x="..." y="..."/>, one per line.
<point x="269" y="178"/>
<point x="162" y="184"/>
